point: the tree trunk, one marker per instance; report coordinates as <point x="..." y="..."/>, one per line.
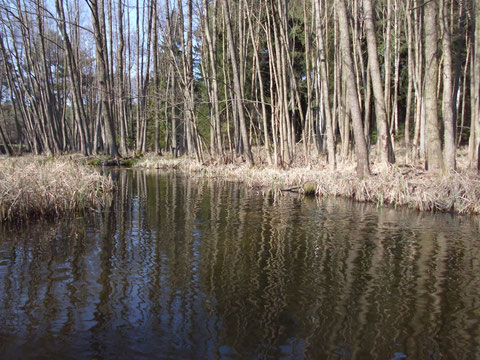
<point x="448" y="101"/>
<point x="386" y="150"/>
<point x="408" y="110"/>
<point x="324" y="87"/>
<point x="260" y="84"/>
<point x="237" y="86"/>
<point x="434" y="151"/>
<point x="98" y="20"/>
<point x="122" y="109"/>
<point x="476" y="87"/>
<point x="80" y="115"/>
<point x="361" y="151"/>
<point x="212" y="51"/>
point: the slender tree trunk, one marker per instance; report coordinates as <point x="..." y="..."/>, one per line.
<point x="237" y="86"/>
<point x="410" y="69"/>
<point x="388" y="62"/>
<point x="255" y="44"/>
<point x="79" y="110"/>
<point x="361" y="151"/>
<point x="394" y="127"/>
<point x="98" y="20"/>
<point x="324" y="87"/>
<point x="476" y="86"/>
<point x="434" y="151"/>
<point x="140" y="36"/>
<point x="6" y="145"/>
<point x="121" y="81"/>
<point x="460" y="50"/>
<point x="418" y="140"/>
<point x="212" y="53"/>
<point x="386" y="151"/>
<point x="448" y="101"/>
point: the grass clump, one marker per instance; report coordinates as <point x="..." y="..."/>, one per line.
<point x="309" y="189"/>
<point x="32" y="187"/>
<point x="129" y="163"/>
<point x="94" y="162"/>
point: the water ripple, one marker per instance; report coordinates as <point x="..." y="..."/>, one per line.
<point x="178" y="268"/>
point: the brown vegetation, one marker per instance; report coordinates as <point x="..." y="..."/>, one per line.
<point x="42" y="187"/>
<point x="397" y="185"/>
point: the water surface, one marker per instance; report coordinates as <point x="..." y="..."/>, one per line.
<point x="177" y="268"/>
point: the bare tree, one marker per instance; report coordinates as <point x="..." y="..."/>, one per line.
<point x="363" y="168"/>
<point x="321" y="63"/>
<point x="448" y="101"/>
<point x="98" y="21"/>
<point x="386" y="150"/>
<point x="434" y="151"/>
<point x="236" y="85"/>
<point x="475" y="154"/>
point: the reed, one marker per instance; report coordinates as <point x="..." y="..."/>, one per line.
<point x="33" y="187"/>
<point x="393" y="185"/>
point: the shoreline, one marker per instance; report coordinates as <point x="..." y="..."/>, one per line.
<point x="392" y="185"/>
<point x="42" y="187"/>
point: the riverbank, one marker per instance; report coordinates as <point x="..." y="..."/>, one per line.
<point x="393" y="185"/>
<point x="43" y="187"/>
<point x="38" y="186"/>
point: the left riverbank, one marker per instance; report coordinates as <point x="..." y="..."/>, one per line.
<point x="42" y="187"/>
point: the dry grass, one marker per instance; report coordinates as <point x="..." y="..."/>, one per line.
<point x="42" y="187"/>
<point x="397" y="185"/>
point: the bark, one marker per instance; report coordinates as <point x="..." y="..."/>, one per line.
<point x="260" y="84"/>
<point x="396" y="55"/>
<point x="121" y="81"/>
<point x="476" y="86"/>
<point x="324" y="88"/>
<point x="386" y="150"/>
<point x="77" y="100"/>
<point x="410" y="69"/>
<point x="361" y="151"/>
<point x="448" y="101"/>
<point x="237" y="86"/>
<point x="459" y="59"/>
<point x="3" y="139"/>
<point x="98" y="20"/>
<point x="418" y="148"/>
<point x="212" y="51"/>
<point x="388" y="62"/>
<point x="434" y="151"/>
<point x="156" y="75"/>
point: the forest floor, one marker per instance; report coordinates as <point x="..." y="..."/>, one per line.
<point x="40" y="186"/>
<point x="401" y="184"/>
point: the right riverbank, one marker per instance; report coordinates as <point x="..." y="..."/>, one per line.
<point x="395" y="185"/>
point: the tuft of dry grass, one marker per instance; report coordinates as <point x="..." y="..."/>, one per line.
<point x="43" y="187"/>
<point x="402" y="184"/>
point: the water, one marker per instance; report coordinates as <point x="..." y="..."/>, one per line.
<point x="176" y="268"/>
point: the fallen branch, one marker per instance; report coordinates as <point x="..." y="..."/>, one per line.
<point x="292" y="189"/>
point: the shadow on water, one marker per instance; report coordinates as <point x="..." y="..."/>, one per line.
<point x="181" y="268"/>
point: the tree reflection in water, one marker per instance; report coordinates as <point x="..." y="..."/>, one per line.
<point x="175" y="267"/>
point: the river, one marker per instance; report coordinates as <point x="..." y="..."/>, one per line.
<point x="179" y="268"/>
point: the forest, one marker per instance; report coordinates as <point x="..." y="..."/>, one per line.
<point x="269" y="81"/>
<point x="239" y="179"/>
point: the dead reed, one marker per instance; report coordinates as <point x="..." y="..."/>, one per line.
<point x="395" y="185"/>
<point x="33" y="187"/>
